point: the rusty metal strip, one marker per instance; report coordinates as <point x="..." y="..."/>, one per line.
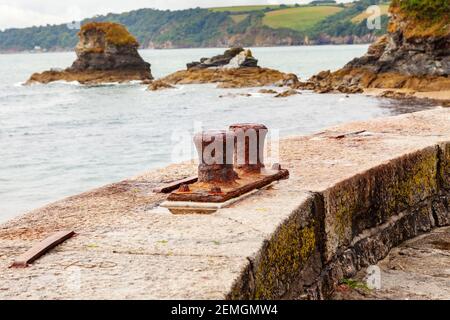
<point x="219" y="198"/>
<point x="342" y="136"/>
<point x="41" y="248"/>
<point x="175" y="185"/>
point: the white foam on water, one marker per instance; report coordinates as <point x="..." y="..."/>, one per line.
<point x="61" y="82"/>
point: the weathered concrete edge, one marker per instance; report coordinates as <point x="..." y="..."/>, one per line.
<point x="307" y="256"/>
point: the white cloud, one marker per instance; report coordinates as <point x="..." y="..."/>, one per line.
<point x="18" y="17"/>
<point x="25" y="13"/>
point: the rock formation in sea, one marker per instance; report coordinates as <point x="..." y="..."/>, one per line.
<point x="235" y="68"/>
<point x="414" y="55"/>
<point x="232" y="58"/>
<point x="106" y="52"/>
<point x="159" y="85"/>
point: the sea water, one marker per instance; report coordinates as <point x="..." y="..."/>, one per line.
<point x="61" y="139"/>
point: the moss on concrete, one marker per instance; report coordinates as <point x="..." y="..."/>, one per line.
<point x="346" y="208"/>
<point x="371" y="198"/>
<point x="444" y="165"/>
<point x="283" y="259"/>
<point x="419" y="181"/>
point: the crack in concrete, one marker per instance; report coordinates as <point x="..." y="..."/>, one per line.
<point x="125" y="252"/>
<point x="245" y="225"/>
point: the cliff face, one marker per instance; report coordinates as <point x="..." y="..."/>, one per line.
<point x="415" y="54"/>
<point x="264" y="38"/>
<point x="106" y="52"/>
<point x="414" y="46"/>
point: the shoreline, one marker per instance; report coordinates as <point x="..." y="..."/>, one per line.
<point x="193" y="48"/>
<point x="119" y="230"/>
<point x="442" y="96"/>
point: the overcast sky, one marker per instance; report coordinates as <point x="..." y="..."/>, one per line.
<point x="25" y="13"/>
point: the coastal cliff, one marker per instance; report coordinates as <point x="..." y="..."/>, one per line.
<point x="266" y="37"/>
<point x="106" y="52"/>
<point x="260" y="25"/>
<point x="413" y="56"/>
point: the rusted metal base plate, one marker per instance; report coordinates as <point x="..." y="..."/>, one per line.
<point x="41" y="248"/>
<point x="186" y="207"/>
<point x="201" y="192"/>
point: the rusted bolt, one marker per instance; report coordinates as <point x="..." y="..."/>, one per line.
<point x="215" y="189"/>
<point x="215" y="152"/>
<point x="249" y="146"/>
<point x="184" y="188"/>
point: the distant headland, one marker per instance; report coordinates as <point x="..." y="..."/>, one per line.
<point x="319" y="22"/>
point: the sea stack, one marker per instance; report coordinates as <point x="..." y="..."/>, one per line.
<point x="106" y="52"/>
<point x="231" y="58"/>
<point x="235" y="68"/>
<point x="414" y="55"/>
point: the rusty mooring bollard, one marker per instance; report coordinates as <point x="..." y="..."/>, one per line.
<point x="215" y="152"/>
<point x="249" y="146"/>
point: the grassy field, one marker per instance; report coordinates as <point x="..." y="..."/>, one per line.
<point x="245" y="8"/>
<point x="362" y="16"/>
<point x="298" y="18"/>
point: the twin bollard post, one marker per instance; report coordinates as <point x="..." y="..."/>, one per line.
<point x="220" y="152"/>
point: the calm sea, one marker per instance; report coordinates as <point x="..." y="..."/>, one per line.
<point x="61" y="139"/>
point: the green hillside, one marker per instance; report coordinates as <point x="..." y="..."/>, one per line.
<point x="364" y="15"/>
<point x="299" y="19"/>
<point x="320" y="23"/>
<point x="241" y="9"/>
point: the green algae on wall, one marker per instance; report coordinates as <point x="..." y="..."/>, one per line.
<point x="418" y="182"/>
<point x="292" y="258"/>
<point x="317" y="245"/>
<point x="370" y="199"/>
<point x="444" y="165"/>
<point x="284" y="258"/>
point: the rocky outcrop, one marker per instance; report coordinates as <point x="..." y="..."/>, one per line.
<point x="159" y="85"/>
<point x="232" y="58"/>
<point x="106" y="52"/>
<point x="236" y="68"/>
<point x="233" y="78"/>
<point x="287" y="93"/>
<point x="267" y="91"/>
<point x="415" y="54"/>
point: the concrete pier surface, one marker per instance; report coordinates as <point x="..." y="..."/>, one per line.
<point x="355" y="192"/>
